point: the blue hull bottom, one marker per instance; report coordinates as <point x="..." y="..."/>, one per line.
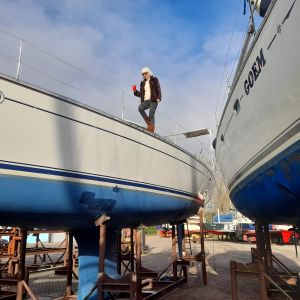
<point x="32" y="202"/>
<point x="272" y="193"/>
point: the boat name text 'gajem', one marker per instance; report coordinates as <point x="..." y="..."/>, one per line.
<point x="254" y="72"/>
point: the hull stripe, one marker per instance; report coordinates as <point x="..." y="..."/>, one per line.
<point x="93" y="177"/>
<point x="294" y="129"/>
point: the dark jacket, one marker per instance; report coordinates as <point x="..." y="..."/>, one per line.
<point x="154" y="88"/>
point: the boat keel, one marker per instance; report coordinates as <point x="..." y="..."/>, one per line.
<point x="88" y="259"/>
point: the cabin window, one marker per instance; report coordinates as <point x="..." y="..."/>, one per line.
<point x="236" y="106"/>
<point x="222" y="139"/>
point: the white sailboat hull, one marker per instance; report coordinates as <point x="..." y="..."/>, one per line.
<point x="257" y="145"/>
<point x="62" y="164"/>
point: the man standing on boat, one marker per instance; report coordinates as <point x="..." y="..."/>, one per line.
<point x="150" y="95"/>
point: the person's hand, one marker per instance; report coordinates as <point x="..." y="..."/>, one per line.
<point x="158" y="100"/>
<point x="134" y="88"/>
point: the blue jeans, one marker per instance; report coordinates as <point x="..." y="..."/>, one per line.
<point x="145" y="105"/>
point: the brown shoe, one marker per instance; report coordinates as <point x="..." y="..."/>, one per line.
<point x="151" y="127"/>
<point x="147" y="120"/>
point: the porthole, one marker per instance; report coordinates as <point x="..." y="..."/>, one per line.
<point x="2" y="97"/>
<point x="236" y="106"/>
<point x="222" y="139"/>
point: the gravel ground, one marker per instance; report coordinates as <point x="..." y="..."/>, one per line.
<point x="49" y="286"/>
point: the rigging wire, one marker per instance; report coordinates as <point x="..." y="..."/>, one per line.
<point x="81" y="71"/>
<point x="225" y="63"/>
<point x="107" y="84"/>
<point x="84" y="92"/>
<point x="92" y="95"/>
<point x="236" y="58"/>
<point x="229" y="80"/>
<point x="60" y="59"/>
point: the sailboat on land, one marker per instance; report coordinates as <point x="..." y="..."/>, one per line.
<point x="257" y="144"/>
<point x="63" y="164"/>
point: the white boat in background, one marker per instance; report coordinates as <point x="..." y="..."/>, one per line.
<point x="257" y="144"/>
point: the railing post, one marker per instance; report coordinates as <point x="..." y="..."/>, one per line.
<point x="20" y="59"/>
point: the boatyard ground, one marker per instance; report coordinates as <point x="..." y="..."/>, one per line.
<point x="219" y="253"/>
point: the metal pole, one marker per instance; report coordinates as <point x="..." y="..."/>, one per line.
<point x="295" y="241"/>
<point x="19" y="60"/>
<point x="268" y="251"/>
<point x="66" y="253"/>
<point x="119" y="253"/>
<point x="203" y="262"/>
<point x="36" y="246"/>
<point x="101" y="257"/>
<point x="21" y="271"/>
<point x="70" y="265"/>
<point x="143" y="240"/>
<point x="174" y="255"/>
<point x="101" y="221"/>
<point x="260" y="263"/>
<point x="138" y="263"/>
<point x="131" y="251"/>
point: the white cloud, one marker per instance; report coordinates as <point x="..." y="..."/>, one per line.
<point x="113" y="40"/>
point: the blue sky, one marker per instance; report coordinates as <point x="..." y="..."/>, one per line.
<point x="184" y="43"/>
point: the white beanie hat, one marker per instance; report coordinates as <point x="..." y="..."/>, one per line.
<point x="146" y="70"/>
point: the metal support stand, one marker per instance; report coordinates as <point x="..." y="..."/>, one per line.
<point x="268" y="249"/>
<point x="119" y="266"/>
<point x="69" y="291"/>
<point x="138" y="264"/>
<point x="102" y="239"/>
<point x="131" y="250"/>
<point x="203" y="260"/>
<point x="21" y="270"/>
<point x="141" y="283"/>
<point x="104" y="282"/>
<point x="270" y="280"/>
<point x="200" y="257"/>
<point x="174" y="255"/>
<point x="260" y="246"/>
<point x="126" y="255"/>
